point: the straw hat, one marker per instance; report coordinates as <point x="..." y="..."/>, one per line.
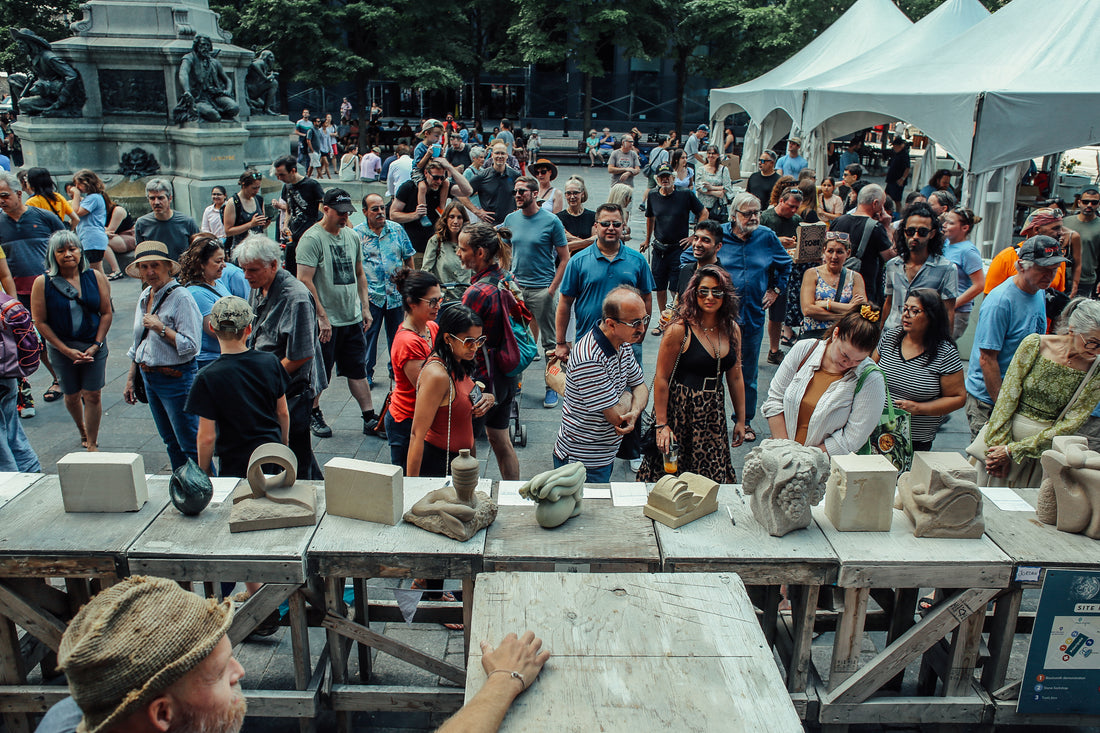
<point x="151" y="250"/>
<point x="132" y="642"/>
<point x="545" y="163"/>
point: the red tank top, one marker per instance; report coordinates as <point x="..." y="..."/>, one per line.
<point x="461" y="415"/>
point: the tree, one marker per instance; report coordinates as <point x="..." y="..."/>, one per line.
<point x="487" y="44"/>
<point x="49" y="20"/>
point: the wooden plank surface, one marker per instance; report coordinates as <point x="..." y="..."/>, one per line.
<point x="202" y="547"/>
<point x="35" y="522"/>
<point x="897" y="559"/>
<point x="634" y="652"/>
<point x="355" y="548"/>
<point x="13" y="483"/>
<point x="714" y="544"/>
<point x="1031" y="543"/>
<point x="603" y="538"/>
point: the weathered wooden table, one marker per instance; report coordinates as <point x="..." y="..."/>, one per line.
<point x="345" y="548"/>
<point x="634" y="652"/>
<point x="201" y="548"/>
<point x="41" y="541"/>
<point x="803" y="560"/>
<point x="1037" y="547"/>
<point x="894" y="565"/>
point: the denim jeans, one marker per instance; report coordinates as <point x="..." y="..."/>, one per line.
<point x="392" y="317"/>
<point x="398" y="433"/>
<point x="750" y="367"/>
<point x="178" y="429"/>
<point x="600" y="475"/>
<point x="16" y="453"/>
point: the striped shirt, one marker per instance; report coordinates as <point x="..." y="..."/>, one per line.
<point x="917" y="379"/>
<point x="597" y="377"/>
<point x="179" y="313"/>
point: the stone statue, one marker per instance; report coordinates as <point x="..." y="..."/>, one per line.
<point x="558" y="493"/>
<point x="262" y="84"/>
<point x="205" y="92"/>
<point x="53" y="88"/>
<point x="1069" y="496"/>
<point x="784" y="479"/>
<point x="941" y="497"/>
<point x="138" y="163"/>
<point x="460" y="512"/>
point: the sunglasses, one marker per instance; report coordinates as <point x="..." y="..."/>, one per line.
<point x="540" y="171"/>
<point x="638" y="323"/>
<point x="256" y="176"/>
<point x="838" y="236"/>
<point x="432" y="302"/>
<point x="606" y="224"/>
<point x="764" y="160"/>
<point x="1090" y="202"/>
<point x="438" y="178"/>
<point x="918" y="231"/>
<point x="572" y="193"/>
<point x="470" y="341"/>
<point x="520" y="191"/>
<point x="716" y="293"/>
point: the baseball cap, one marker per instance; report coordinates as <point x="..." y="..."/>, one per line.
<point x="429" y="124"/>
<point x="1042" y="250"/>
<point x="795" y="139"/>
<point x="338" y="199"/>
<point x="231" y="314"/>
<point x="704" y="128"/>
<point x="662" y="170"/>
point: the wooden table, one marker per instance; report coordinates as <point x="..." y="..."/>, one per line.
<point x="803" y="560"/>
<point x="896" y="564"/>
<point x="1030" y="544"/>
<point x="202" y="548"/>
<point x="635" y="652"/>
<point x="42" y="541"/>
<point x="345" y="548"/>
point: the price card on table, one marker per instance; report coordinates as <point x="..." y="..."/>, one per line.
<point x="1006" y="499"/>
<point x="628" y="493"/>
<point x="508" y="494"/>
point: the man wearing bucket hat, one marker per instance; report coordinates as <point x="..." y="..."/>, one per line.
<point x="166" y="338"/>
<point x="1045" y="221"/>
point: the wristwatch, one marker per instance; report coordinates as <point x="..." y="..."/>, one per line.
<point x="163" y="331"/>
<point x="776" y="290"/>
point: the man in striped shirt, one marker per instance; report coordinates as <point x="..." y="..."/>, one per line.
<point x="602" y="367"/>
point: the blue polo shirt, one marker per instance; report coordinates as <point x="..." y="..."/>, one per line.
<point x="754" y="265"/>
<point x="1008" y="314"/>
<point x="590" y="276"/>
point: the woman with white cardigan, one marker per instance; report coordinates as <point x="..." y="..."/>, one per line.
<point x="813" y="398"/>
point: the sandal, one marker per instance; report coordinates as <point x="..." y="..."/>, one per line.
<point x="750" y="434"/>
<point x="53" y="394"/>
<point x="432" y="595"/>
<point x="926" y="604"/>
<point x="83" y="439"/>
<point x="788" y="340"/>
<point x="116" y="275"/>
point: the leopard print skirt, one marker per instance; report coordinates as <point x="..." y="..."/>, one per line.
<point x="698" y="420"/>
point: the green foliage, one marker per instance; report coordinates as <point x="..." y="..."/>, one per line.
<point x="47" y="19"/>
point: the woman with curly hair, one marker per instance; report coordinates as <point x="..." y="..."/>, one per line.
<point x="440" y="257"/>
<point x="200" y="268"/>
<point x="700" y="348"/>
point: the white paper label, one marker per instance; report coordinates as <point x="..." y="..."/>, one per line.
<point x="1028" y="574"/>
<point x="628" y="493"/>
<point x="1006" y="499"/>
<point x="508" y="494"/>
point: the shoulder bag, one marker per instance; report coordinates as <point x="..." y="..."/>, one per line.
<point x="139" y="381"/>
<point x="855" y="262"/>
<point x="891" y="438"/>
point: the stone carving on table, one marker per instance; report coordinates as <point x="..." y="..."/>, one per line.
<point x="784" y="479"/>
<point x="372" y="492"/>
<point x="558" y="493"/>
<point x="941" y="497"/>
<point x="205" y="90"/>
<point x="132" y="92"/>
<point x="53" y="88"/>
<point x="102" y="482"/>
<point x="1069" y="496"/>
<point x="262" y="84"/>
<point x="677" y="500"/>
<point x="859" y="496"/>
<point x="190" y="488"/>
<point x="457" y="510"/>
<point x="272" y="502"/>
<point x="138" y="163"/>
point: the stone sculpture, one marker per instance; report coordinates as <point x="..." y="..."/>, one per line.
<point x="558" y="493"/>
<point x="138" y="163"/>
<point x="53" y="88"/>
<point x="262" y="84"/>
<point x="677" y="500"/>
<point x="364" y="490"/>
<point x="1069" y="496"/>
<point x="859" y="496"/>
<point x="190" y="489"/>
<point x="102" y="482"/>
<point x="272" y="502"/>
<point x="205" y="91"/>
<point x="941" y="497"/>
<point x="784" y="479"/>
<point x="458" y="514"/>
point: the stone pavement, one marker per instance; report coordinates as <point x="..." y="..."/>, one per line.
<point x="130" y="428"/>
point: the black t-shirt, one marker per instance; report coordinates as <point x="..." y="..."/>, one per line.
<point x="670" y="214"/>
<point x="459" y="158"/>
<point x="418" y="233"/>
<point x="878" y="242"/>
<point x="239" y="393"/>
<point x="898" y="164"/>
<point x="303" y="202"/>
<point x="578" y="226"/>
<point x="761" y="186"/>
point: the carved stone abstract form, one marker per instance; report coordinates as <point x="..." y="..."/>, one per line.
<point x="262" y="84"/>
<point x="558" y="493"/>
<point x="205" y="91"/>
<point x="940" y="496"/>
<point x="272" y="502"/>
<point x="1069" y="496"/>
<point x="677" y="500"/>
<point x="784" y="479"/>
<point x="457" y="513"/>
<point x="53" y="88"/>
<point x="859" y="496"/>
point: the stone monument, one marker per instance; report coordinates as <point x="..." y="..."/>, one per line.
<point x="784" y="479"/>
<point x="941" y="497"/>
<point x="1069" y="496"/>
<point x="120" y="83"/>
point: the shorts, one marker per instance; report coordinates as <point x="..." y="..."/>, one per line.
<point x="500" y="414"/>
<point x="778" y="310"/>
<point x="314" y="160"/>
<point x="348" y="350"/>
<point x="94" y="255"/>
<point x="666" y="267"/>
<point x="75" y="378"/>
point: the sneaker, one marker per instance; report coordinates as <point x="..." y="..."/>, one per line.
<point x="27" y="411"/>
<point x="635" y="465"/>
<point x="776" y="357"/>
<point x="317" y="424"/>
<point x="370" y="427"/>
<point x="538" y="356"/>
<point x="551" y="399"/>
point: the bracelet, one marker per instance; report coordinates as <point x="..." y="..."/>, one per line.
<point x="515" y="675"/>
<point x="828" y="305"/>
<point x="561" y="343"/>
<point x="662" y="425"/>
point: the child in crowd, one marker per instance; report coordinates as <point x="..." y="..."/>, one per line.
<point x="426" y="150"/>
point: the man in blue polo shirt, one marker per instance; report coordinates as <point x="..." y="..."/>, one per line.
<point x="759" y="268"/>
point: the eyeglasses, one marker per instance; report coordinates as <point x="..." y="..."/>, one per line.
<point x="638" y="323"/>
<point x="613" y="224"/>
<point x="911" y="310"/>
<point x="917" y="231"/>
<point x="572" y="193"/>
<point x="470" y="341"/>
<point x="754" y="214"/>
<point x="717" y="293"/>
<point x="432" y="302"/>
<point x="1090" y="344"/>
<point x="438" y="178"/>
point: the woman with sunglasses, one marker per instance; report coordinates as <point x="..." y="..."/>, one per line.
<point x="968" y="262"/>
<point x="441" y="254"/>
<point x="713" y="185"/>
<point x="244" y="213"/>
<point x="919" y="263"/>
<point x="548" y="198"/>
<point x="830" y="290"/>
<point x="700" y="351"/>
<point x="200" y="272"/>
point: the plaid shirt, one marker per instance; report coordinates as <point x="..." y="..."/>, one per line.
<point x="482" y="297"/>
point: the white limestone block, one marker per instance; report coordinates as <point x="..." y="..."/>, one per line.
<point x="364" y="490"/>
<point x="859" y="496"/>
<point x="929" y="465"/>
<point x="102" y="482"/>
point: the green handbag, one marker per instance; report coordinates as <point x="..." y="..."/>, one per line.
<point x="891" y="438"/>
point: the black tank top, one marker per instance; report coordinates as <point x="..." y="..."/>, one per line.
<point x="240" y="216"/>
